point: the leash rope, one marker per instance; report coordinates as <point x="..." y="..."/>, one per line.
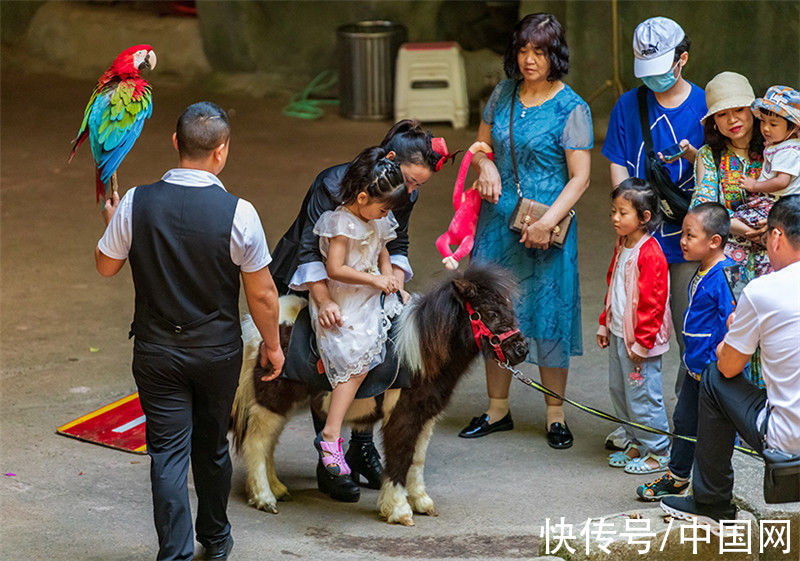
<point x="602" y="414"/>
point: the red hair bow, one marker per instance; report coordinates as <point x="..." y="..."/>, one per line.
<point x="440" y="147"/>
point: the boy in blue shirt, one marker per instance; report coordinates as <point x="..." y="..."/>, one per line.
<point x="705" y="230"/>
<point x="674" y="108"/>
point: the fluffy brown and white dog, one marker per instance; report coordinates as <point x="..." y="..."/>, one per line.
<point x="436" y="342"/>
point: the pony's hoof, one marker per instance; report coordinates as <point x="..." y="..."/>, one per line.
<point x="263" y="505"/>
<point x="281" y="492"/>
<point x="398" y="515"/>
<point x="424" y="505"/>
<point x="404" y="520"/>
<point x="272" y="509"/>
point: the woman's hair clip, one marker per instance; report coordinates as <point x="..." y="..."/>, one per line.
<point x="440" y="147"/>
<point x="444" y="159"/>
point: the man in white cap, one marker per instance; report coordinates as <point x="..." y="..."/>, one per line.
<point x="674" y="107"/>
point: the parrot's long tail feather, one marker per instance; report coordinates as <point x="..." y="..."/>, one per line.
<point x="100" y="186"/>
<point x="77" y="142"/>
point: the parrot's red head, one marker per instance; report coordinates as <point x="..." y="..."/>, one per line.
<point x="131" y="62"/>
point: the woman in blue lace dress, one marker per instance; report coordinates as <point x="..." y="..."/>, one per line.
<point x="552" y="137"/>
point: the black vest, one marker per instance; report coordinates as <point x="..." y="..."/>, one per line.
<point x="187" y="287"/>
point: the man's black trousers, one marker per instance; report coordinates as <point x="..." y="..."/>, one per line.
<point x="726" y="406"/>
<point x="186" y="395"/>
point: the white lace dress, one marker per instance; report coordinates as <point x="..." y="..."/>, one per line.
<point x="358" y="345"/>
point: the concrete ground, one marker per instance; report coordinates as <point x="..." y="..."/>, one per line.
<point x="70" y="500"/>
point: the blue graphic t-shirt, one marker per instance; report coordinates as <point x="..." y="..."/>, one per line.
<point x="624" y="146"/>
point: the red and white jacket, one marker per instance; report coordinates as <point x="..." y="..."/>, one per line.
<point x="647" y="320"/>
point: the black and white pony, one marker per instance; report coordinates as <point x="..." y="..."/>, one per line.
<point x="438" y="340"/>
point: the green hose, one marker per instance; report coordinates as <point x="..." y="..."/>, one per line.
<point x="301" y="107"/>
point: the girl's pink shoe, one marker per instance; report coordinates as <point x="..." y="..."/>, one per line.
<point x="331" y="455"/>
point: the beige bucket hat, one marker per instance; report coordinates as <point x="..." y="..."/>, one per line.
<point x="727" y="90"/>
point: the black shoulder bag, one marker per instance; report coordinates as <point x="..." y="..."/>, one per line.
<point x="674" y="201"/>
<point x="781" y="472"/>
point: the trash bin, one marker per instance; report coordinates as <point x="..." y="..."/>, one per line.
<point x="367" y="53"/>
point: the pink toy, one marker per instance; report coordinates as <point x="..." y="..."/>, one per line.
<point x="461" y="231"/>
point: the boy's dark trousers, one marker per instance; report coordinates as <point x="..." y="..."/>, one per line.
<point x="726" y="406"/>
<point x="684" y="420"/>
<point x="186" y="395"/>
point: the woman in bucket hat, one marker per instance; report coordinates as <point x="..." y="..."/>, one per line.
<point x="733" y="151"/>
<point x="779" y="112"/>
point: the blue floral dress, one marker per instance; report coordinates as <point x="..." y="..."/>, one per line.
<point x="548" y="305"/>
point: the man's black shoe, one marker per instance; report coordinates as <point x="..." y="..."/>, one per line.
<point x="363" y="458"/>
<point x="684" y="508"/>
<point x="559" y="436"/>
<point x="219" y="552"/>
<point x="480" y="426"/>
<point x="339" y="487"/>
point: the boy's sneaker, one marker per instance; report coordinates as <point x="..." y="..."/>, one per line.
<point x="685" y="508"/>
<point x="664" y="486"/>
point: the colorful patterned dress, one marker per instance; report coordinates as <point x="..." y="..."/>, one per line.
<point x="721" y="184"/>
<point x="548" y="305"/>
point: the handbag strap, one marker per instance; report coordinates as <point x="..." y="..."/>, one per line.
<point x="647" y="137"/>
<point x="511" y="139"/>
<point x="763" y="429"/>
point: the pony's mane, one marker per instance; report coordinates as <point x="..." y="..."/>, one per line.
<point x="431" y="322"/>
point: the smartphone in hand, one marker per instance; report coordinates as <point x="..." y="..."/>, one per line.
<point x="733" y="274"/>
<point x="673" y="152"/>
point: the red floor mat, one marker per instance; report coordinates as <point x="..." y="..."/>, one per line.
<point x="118" y="425"/>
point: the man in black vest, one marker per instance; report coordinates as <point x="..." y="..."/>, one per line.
<point x="189" y="241"/>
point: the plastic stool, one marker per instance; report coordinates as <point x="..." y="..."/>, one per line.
<point x="431" y="83"/>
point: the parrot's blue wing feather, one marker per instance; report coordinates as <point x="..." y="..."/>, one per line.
<point x="111" y="160"/>
<point x="115" y="122"/>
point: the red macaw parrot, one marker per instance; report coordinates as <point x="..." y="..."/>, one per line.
<point x="116" y="113"/>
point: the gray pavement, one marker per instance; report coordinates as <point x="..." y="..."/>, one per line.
<point x="71" y="500"/>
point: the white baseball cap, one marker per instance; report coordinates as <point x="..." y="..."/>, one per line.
<point x="654" y="43"/>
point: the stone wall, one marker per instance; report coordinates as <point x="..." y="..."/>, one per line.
<point x="286" y="43"/>
<point x="296" y="38"/>
<point x="81" y="40"/>
<point x="760" y="40"/>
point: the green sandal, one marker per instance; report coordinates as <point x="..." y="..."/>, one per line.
<point x="639" y="466"/>
<point x="621" y="459"/>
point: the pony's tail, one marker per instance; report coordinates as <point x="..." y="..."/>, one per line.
<point x="245" y="397"/>
<point x="245" y="393"/>
<point x="408" y="338"/>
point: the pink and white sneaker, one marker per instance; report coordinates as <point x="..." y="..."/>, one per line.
<point x="331" y="455"/>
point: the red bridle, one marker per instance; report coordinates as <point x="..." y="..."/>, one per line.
<point x="479" y="330"/>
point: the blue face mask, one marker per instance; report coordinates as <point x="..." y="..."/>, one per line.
<point x="662" y="82"/>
